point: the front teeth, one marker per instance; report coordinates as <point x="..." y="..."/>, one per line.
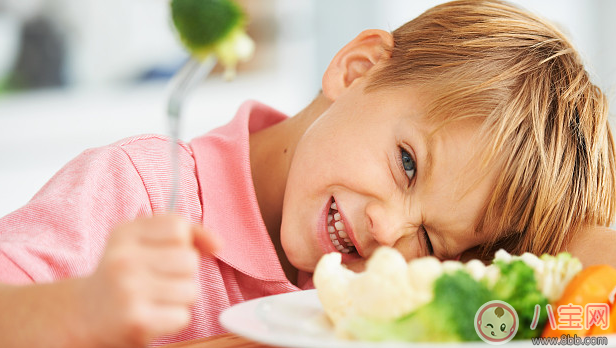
<point x="337" y="233"/>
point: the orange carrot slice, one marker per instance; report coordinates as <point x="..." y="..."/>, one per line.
<point x="611" y="329"/>
<point x="592" y="285"/>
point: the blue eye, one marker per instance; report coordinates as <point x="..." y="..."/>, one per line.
<point x="408" y="163"/>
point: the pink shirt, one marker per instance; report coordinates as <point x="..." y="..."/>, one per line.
<point x="62" y="231"/>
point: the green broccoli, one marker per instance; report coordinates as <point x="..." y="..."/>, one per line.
<point x="517" y="286"/>
<point x="213" y="27"/>
<point x="448" y="317"/>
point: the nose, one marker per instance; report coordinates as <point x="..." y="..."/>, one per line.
<point x="386" y="224"/>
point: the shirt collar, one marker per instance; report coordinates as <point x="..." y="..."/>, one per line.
<point x="229" y="201"/>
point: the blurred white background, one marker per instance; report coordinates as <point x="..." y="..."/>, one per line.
<point x="97" y="70"/>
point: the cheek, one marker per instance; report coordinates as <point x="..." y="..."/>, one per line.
<point x="306" y="175"/>
<point x="320" y="159"/>
<point x="409" y="247"/>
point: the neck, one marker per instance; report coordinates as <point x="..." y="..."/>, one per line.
<point x="271" y="153"/>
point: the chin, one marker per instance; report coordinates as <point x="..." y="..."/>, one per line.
<point x="302" y="263"/>
<point x="300" y="256"/>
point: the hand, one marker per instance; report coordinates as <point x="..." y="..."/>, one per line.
<point x="145" y="282"/>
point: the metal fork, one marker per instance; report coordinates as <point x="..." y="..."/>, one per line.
<point x="182" y="84"/>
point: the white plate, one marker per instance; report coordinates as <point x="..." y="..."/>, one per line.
<point x="297" y="320"/>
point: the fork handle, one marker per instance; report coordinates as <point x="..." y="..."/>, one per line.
<point x="182" y="84"/>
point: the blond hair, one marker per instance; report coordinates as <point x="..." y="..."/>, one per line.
<point x="542" y="117"/>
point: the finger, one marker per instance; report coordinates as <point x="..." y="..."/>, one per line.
<point x="173" y="261"/>
<point x="176" y="291"/>
<point x="205" y="242"/>
<point x="166" y="230"/>
<point x="168" y="319"/>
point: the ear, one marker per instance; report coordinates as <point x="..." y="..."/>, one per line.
<point x="355" y="59"/>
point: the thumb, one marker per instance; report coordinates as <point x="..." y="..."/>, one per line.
<point x="206" y="242"/>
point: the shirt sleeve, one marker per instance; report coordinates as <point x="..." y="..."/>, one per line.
<point x="61" y="232"/>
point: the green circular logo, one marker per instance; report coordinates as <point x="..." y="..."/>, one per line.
<point x="496" y="322"/>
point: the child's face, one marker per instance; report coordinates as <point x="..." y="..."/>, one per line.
<point x="372" y="155"/>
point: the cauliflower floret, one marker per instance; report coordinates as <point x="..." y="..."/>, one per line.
<point x="556" y="274"/>
<point x="374" y="292"/>
<point x="552" y="273"/>
<point x="388" y="288"/>
<point x="332" y="280"/>
<point x="422" y="273"/>
<point x="476" y="269"/>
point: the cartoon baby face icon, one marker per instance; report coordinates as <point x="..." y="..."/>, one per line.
<point x="496" y="322"/>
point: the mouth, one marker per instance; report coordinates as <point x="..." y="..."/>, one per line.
<point x="338" y="231"/>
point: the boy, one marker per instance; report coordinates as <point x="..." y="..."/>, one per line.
<point x="472" y="127"/>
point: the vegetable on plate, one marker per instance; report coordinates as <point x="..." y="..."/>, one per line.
<point x="429" y="300"/>
<point x="595" y="285"/>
